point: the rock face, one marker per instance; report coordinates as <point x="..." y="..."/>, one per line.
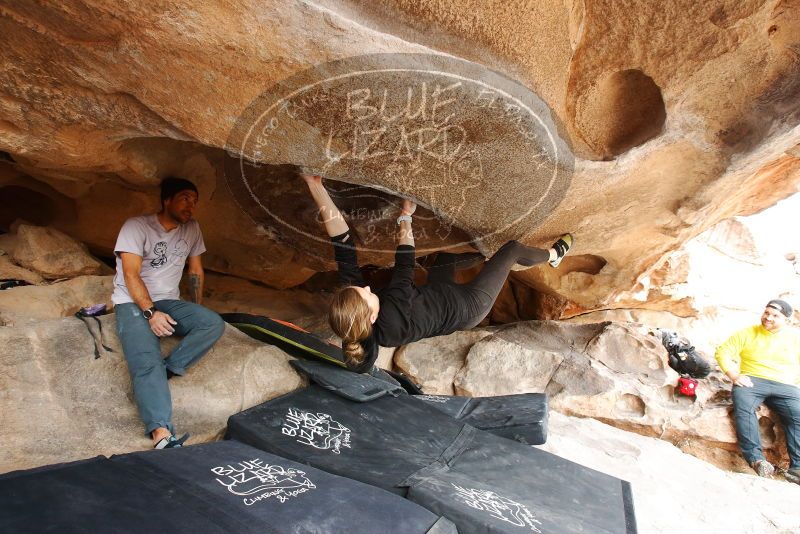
<point x="10" y="271"/>
<point x="99" y="103"/>
<point x="672" y="491"/>
<point x="229" y="294"/>
<point x="716" y="283"/>
<point x="62" y="275"/>
<point x="59" y="403"/>
<point x="52" y="254"/>
<point x="706" y="273"/>
<point x="610" y="372"/>
<point x="434" y="362"/>
<point x="30" y="304"/>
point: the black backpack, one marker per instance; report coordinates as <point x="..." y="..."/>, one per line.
<point x="683" y="357"/>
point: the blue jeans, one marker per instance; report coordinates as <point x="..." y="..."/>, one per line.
<point x="784" y="399"/>
<point x="201" y="328"/>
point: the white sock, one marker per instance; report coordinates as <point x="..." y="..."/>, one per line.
<point x="553" y="254"/>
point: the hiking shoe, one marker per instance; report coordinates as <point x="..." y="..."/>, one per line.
<point x="561" y="246"/>
<point x="171" y="442"/>
<point x="792" y="475"/>
<point x="763" y="468"/>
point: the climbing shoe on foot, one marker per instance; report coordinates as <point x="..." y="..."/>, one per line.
<point x="763" y="468"/>
<point x="561" y="247"/>
<point x="171" y="442"/>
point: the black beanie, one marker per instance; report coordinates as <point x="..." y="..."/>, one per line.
<point x="781" y="305"/>
<point x="172" y="186"/>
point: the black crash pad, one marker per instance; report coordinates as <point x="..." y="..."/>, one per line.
<point x="482" y="482"/>
<point x="224" y="487"/>
<point x="353" y="386"/>
<point x="521" y="417"/>
<point x="289" y="337"/>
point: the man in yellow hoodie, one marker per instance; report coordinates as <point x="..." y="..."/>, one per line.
<point x="763" y="362"/>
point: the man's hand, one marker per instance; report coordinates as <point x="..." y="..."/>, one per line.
<point x="743" y="381"/>
<point x="312" y="178"/>
<point x="408" y="207"/>
<point x="162" y="324"/>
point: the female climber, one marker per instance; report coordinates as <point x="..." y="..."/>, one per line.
<point x="402" y="312"/>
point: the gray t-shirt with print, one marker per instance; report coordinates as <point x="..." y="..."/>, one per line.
<point x="163" y="255"/>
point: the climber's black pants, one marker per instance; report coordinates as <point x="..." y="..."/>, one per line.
<point x="479" y="294"/>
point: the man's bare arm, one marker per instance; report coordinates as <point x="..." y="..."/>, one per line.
<point x="161" y="323"/>
<point x="131" y="269"/>
<point x="196" y="279"/>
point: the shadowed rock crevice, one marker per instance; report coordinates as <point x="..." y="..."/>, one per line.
<point x="25" y="198"/>
<point x="17" y="202"/>
<point x="520" y="302"/>
<point x="622" y="110"/>
<point x="583" y="263"/>
<point x="632" y="405"/>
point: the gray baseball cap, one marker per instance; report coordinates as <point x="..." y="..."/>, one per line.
<point x="782" y="306"/>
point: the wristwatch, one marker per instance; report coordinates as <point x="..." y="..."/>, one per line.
<point x="148" y="313"/>
<point x="403" y="218"/>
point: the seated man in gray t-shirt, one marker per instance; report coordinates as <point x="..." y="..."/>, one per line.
<point x="151" y="252"/>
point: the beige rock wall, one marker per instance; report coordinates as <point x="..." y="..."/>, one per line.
<point x="611" y="372"/>
<point x="59" y="403"/>
<point x="716" y="283"/>
<point x="680" y="114"/>
<point x="31" y="304"/>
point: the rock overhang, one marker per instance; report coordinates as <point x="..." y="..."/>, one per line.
<point x="100" y="116"/>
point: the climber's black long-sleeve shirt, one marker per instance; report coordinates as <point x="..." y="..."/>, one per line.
<point x="407" y="312"/>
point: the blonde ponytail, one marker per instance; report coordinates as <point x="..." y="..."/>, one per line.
<point x="348" y="317"/>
